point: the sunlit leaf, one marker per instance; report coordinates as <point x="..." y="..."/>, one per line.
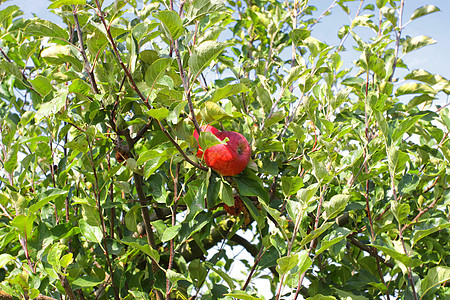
<point x="435" y="276"/>
<point x="198" y="9"/>
<point x="203" y="55"/>
<point x="417" y="42"/>
<point x="41" y="28"/>
<point x="291" y="185"/>
<point x="171" y="22"/>
<point x="423" y="11"/>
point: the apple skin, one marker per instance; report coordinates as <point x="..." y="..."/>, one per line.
<point x="205" y="128"/>
<point x="231" y="158"/>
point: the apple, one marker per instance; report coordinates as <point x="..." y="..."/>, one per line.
<point x="205" y="128"/>
<point x="226" y="159"/>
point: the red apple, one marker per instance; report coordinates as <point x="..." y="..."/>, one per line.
<point x="205" y="128"/>
<point x="231" y="158"/>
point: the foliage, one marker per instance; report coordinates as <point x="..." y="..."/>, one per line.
<point x="102" y="196"/>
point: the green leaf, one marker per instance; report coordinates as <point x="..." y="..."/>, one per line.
<point x="54" y="256"/>
<point x="435" y="276"/>
<point x="48" y="196"/>
<point x="321" y="297"/>
<point x="198" y="9"/>
<point x="401" y="257"/>
<point x="319" y="171"/>
<point x="420" y="234"/>
<point x="414" y="88"/>
<point x="174" y="277"/>
<point x="291" y="185"/>
<point x="305" y="195"/>
<point x="397" y="160"/>
<point x="156" y="71"/>
<point x="332" y="239"/>
<point x="304" y="262"/>
<point x="24" y="224"/>
<point x="445" y="115"/>
<point x="172" y="23"/>
<point x="11" y="68"/>
<point x="264" y="99"/>
<point x="417" y="42"/>
<point x="8" y="12"/>
<point x="42" y="85"/>
<point x="293" y="75"/>
<point x="355" y="82"/>
<point x="255" y="213"/>
<point x="423" y="11"/>
<point x="132" y="218"/>
<point x="345" y="295"/>
<point x="335" y="205"/>
<point x="52" y="107"/>
<point x="86" y="281"/>
<point x="228" y="90"/>
<point x="41" y="28"/>
<point x="207" y="140"/>
<point x="80" y="86"/>
<point x="170" y="233"/>
<point x="213" y="112"/>
<point x="251" y="186"/>
<point x="315" y="233"/>
<point x="197" y="272"/>
<point x="276" y="117"/>
<point x="287" y="263"/>
<point x="242" y="295"/>
<point x="10" y="162"/>
<point x="59" y="3"/>
<point x="79" y="144"/>
<point x="158" y="113"/>
<point x="223" y="275"/>
<point x="90" y="232"/>
<point x="203" y="55"/>
<point x="299" y="35"/>
<point x="5" y="259"/>
<point x="59" y="55"/>
<point x="141" y="245"/>
<point x="226" y="193"/>
<point x="402" y="128"/>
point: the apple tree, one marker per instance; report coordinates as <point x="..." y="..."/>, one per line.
<point x="102" y="195"/>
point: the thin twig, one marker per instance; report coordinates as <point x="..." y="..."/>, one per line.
<point x="257" y="259"/>
<point x="87" y="65"/>
<point x="397" y="41"/>
<point x="181" y="150"/>
<point x="174" y="211"/>
<point x="116" y="52"/>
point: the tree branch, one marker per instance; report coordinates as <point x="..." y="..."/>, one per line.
<point x="87" y="65"/>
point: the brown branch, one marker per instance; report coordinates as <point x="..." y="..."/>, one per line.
<point x="185" y="85"/>
<point x="198" y="166"/>
<point x="397" y="46"/>
<point x="257" y="259"/>
<point x="421" y="212"/>
<point x="87" y="65"/>
<point x="138" y="181"/>
<point x="67" y="287"/>
<point x="372" y="251"/>
<point x="119" y="58"/>
<point x="176" y="196"/>
<point x="102" y="220"/>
